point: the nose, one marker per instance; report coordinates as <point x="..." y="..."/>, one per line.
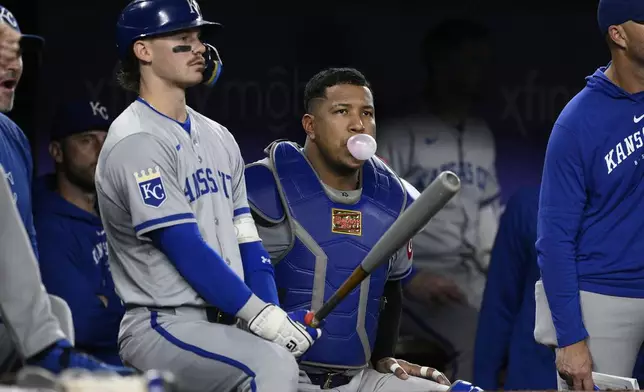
<point x="14" y="65"/>
<point x="357" y="125"/>
<point x="100" y="141"/>
<point x="201" y="48"/>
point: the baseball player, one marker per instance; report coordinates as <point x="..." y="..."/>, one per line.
<point x="446" y="134"/>
<point x="505" y="337"/>
<point x="71" y="239"/>
<point x="590" y="300"/>
<point x="34" y="325"/>
<point x="319" y="210"/>
<point x="184" y="251"/>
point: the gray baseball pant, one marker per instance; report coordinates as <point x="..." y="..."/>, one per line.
<point x="615" y="327"/>
<point x="370" y="380"/>
<point x="204" y="356"/>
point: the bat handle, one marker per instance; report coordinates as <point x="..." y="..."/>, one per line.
<point x="311" y="320"/>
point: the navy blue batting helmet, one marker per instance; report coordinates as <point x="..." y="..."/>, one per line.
<point x="149" y="18"/>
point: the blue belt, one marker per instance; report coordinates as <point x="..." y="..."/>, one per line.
<point x="214" y="315"/>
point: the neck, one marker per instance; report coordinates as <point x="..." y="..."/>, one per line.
<point x="73" y="194"/>
<point x="626" y="74"/>
<point x="330" y="177"/>
<point x="165" y="98"/>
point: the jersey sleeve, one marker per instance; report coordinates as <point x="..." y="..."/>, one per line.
<point x="240" y="198"/>
<point x="396" y="147"/>
<point x="25" y="151"/>
<point x="562" y="201"/>
<point x="141" y="171"/>
<point x="402" y="261"/>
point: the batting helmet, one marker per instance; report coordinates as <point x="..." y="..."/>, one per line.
<point x="149" y="18"/>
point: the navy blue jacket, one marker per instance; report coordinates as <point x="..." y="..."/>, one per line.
<point x="507" y="317"/>
<point x="74" y="266"/>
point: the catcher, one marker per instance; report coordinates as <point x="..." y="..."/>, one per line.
<point x="319" y="210"/>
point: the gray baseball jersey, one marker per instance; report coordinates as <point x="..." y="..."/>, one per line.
<point x="30" y="322"/>
<point x="418" y="148"/>
<point x="153" y="173"/>
<point x="277" y="238"/>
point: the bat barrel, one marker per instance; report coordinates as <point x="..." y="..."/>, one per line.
<point x="437" y="194"/>
<point x="451" y="181"/>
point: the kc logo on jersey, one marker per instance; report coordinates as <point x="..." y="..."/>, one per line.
<point x="151" y="187"/>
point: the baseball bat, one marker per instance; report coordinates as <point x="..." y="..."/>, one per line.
<point x="410" y="222"/>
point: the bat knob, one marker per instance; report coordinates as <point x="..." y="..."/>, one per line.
<point x="309" y="319"/>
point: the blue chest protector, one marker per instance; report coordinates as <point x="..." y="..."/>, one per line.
<point x="329" y="240"/>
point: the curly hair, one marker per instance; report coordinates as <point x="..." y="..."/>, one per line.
<point x="128" y="74"/>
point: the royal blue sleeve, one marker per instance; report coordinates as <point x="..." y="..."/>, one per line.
<point x="29" y="166"/>
<point x="258" y="271"/>
<point x="94" y="325"/>
<point x="561" y="204"/>
<point x="504" y="289"/>
<point x="204" y="269"/>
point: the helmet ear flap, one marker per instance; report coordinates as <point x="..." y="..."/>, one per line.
<point x="214" y="65"/>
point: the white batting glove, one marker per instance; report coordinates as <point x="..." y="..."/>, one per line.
<point x="273" y="324"/>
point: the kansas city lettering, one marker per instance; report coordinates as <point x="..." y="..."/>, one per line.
<point x="623" y="150"/>
<point x="205" y="181"/>
<point x="469" y="173"/>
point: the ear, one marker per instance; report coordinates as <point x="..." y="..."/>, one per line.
<point x="142" y="51"/>
<point x="56" y="152"/>
<point x="618" y="36"/>
<point x="308" y="125"/>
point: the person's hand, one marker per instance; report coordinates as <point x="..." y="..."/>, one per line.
<point x="431" y="288"/>
<point x="103" y="300"/>
<point x="575" y="366"/>
<point x="403" y="369"/>
<point x="287" y="330"/>
<point x="9" y="45"/>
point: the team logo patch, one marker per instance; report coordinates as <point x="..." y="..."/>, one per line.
<point x="346" y="222"/>
<point x="410" y="250"/>
<point x="151" y="187"/>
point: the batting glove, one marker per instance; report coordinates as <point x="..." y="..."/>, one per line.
<point x="275" y="325"/>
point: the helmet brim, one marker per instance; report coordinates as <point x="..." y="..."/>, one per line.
<point x="209" y="27"/>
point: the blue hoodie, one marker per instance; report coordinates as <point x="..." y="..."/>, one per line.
<point x="15" y="157"/>
<point x="506" y="321"/>
<point x="73" y="264"/>
<point x="591" y="206"/>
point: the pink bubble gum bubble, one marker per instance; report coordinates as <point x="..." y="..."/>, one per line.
<point x="362" y="146"/>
